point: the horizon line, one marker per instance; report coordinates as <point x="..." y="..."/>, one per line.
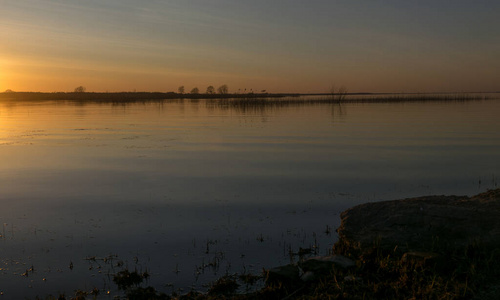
<point x="8" y="91"/>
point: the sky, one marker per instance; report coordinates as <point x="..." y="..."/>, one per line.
<point x="299" y="46"/>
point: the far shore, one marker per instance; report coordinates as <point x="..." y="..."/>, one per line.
<point x="128" y="96"/>
<point x="322" y="97"/>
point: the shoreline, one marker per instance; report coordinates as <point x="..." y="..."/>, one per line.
<point x="261" y="98"/>
<point x="443" y="247"/>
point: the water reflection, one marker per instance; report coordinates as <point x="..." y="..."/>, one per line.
<point x="153" y="184"/>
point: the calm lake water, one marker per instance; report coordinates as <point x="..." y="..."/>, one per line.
<point x="192" y="190"/>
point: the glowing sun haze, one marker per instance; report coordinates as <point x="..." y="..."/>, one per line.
<point x="279" y="45"/>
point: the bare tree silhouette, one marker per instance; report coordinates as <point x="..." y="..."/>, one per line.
<point x="338" y="94"/>
<point x="223" y="89"/>
<point x="80" y="89"/>
<point x="210" y="90"/>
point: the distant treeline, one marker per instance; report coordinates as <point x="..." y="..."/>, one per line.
<point x="130" y="96"/>
<point x="248" y="99"/>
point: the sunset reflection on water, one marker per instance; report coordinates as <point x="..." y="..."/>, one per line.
<point x="153" y="183"/>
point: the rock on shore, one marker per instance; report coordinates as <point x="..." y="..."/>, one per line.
<point x="418" y="224"/>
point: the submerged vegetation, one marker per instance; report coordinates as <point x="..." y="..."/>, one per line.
<point x="464" y="273"/>
<point x="245" y="104"/>
<point x="339" y="94"/>
<point x="379" y="269"/>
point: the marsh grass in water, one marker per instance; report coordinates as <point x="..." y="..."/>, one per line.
<point x="444" y="273"/>
<point x="339" y="95"/>
<point x="256" y="104"/>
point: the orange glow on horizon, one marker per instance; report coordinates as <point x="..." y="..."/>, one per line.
<point x="152" y="46"/>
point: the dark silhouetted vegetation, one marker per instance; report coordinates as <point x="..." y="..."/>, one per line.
<point x="126" y="96"/>
<point x="223" y="89"/>
<point x="210" y="90"/>
<point x="195" y="91"/>
<point x="246" y="99"/>
<point x="80" y="89"/>
<point x="126" y="279"/>
<point x="250" y="103"/>
<point x="339" y="94"/>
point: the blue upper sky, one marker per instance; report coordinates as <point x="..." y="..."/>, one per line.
<point x="280" y="46"/>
